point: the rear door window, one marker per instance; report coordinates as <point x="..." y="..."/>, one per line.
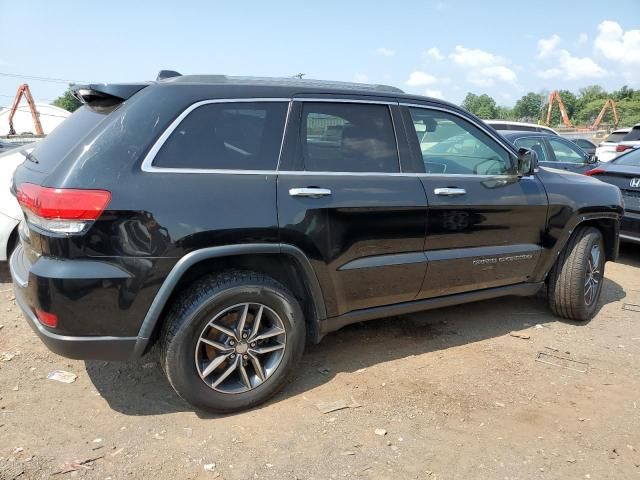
<point x="634" y="134"/>
<point x="226" y="136"/>
<point x="616" y="137"/>
<point x="348" y="137"/>
<point x="534" y="143"/>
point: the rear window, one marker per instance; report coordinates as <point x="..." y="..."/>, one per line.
<point x="50" y="151"/>
<point x="615" y="137"/>
<point x="634" y="134"/>
<point x="227" y="136"/>
<point x="632" y="158"/>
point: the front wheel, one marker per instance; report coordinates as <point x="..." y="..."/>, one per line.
<point x="575" y="281"/>
<point x="232" y="341"/>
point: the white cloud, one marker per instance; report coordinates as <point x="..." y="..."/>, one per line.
<point x="434" y="53"/>
<point x="434" y="93"/>
<point x="616" y="44"/>
<point x="360" y="78"/>
<point x="472" y="57"/>
<point x="385" y="52"/>
<point x="546" y="46"/>
<point x="420" y="79"/>
<point x="487" y="76"/>
<point x="583" y="38"/>
<point x="571" y="68"/>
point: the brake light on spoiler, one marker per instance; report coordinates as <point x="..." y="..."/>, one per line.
<point x="65" y="211"/>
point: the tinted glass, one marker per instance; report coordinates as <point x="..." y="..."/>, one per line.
<point x="452" y="145"/>
<point x="51" y="151"/>
<point x="634" y="134"/>
<point x="632" y="158"/>
<point x="615" y="137"/>
<point x="238" y="136"/>
<point x="348" y="137"/>
<point x="565" y="152"/>
<point x="535" y="144"/>
<point x="581" y="142"/>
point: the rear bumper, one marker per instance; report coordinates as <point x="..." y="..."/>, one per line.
<point x="76" y="347"/>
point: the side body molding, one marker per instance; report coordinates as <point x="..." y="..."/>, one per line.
<point x="169" y="284"/>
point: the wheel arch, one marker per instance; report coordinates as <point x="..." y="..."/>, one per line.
<point x="277" y="260"/>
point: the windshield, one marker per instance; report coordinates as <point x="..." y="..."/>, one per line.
<point x="632" y="158"/>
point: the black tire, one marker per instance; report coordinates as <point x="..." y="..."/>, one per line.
<point x="567" y="289"/>
<point x="191" y="313"/>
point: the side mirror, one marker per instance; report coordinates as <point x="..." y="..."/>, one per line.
<point x="591" y="158"/>
<point x="527" y="162"/>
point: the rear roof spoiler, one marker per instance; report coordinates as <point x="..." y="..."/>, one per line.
<point x="112" y="93"/>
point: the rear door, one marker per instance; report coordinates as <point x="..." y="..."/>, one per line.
<point x="344" y="200"/>
<point x="485" y="224"/>
<point x="567" y="155"/>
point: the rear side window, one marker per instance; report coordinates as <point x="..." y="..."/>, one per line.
<point x="581" y="142"/>
<point x="226" y="136"/>
<point x="348" y="137"/>
<point x="634" y="134"/>
<point x="616" y="137"/>
<point x="534" y="144"/>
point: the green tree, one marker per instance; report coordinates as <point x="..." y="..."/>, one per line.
<point x="67" y="101"/>
<point x="481" y="105"/>
<point x="529" y="107"/>
<point x="504" y="113"/>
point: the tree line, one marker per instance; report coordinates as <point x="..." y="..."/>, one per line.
<point x="582" y="107"/>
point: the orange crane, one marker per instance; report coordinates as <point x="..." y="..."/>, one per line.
<point x="24" y="90"/>
<point x="555" y="95"/>
<point x="609" y="103"/>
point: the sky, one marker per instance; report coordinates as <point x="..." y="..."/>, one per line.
<point x="438" y="48"/>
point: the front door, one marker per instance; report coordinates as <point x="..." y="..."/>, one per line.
<point x="485" y="224"/>
<point x="343" y="200"/>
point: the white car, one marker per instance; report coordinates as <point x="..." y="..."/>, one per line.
<point x="10" y="212"/>
<point x="606" y="151"/>
<point x="519" y="126"/>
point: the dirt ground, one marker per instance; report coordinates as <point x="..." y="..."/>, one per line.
<point x="458" y="395"/>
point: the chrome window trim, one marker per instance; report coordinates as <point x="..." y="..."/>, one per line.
<point x="147" y="163"/>
<point x="463" y="117"/>
<point x="344" y="100"/>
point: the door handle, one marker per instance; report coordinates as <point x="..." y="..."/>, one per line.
<point x="450" y="192"/>
<point x="311" y="192"/>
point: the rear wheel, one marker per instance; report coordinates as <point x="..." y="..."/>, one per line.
<point x="232" y="341"/>
<point x="575" y="281"/>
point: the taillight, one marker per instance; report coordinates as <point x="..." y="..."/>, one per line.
<point x="622" y="148"/>
<point x="595" y="171"/>
<point x="46" y="318"/>
<point x="61" y="210"/>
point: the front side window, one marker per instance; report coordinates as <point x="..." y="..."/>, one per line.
<point x="348" y="137"/>
<point x="227" y="136"/>
<point x="452" y="145"/>
<point x="534" y="144"/>
<point x="565" y="152"/>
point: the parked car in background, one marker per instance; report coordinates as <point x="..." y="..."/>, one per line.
<point x="586" y="145"/>
<point x="502" y="125"/>
<point x="6" y="146"/>
<point x="553" y="150"/>
<point x="230" y="221"/>
<point x="10" y="212"/>
<point x="624" y="172"/>
<point x="630" y="141"/>
<point x="606" y="151"/>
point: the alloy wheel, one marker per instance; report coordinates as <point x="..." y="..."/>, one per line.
<point x="593" y="275"/>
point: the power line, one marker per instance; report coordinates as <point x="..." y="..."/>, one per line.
<point x="41" y="79"/>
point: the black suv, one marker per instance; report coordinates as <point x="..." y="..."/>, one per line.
<point x="227" y="221"/>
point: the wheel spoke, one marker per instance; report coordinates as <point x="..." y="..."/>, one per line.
<point x="257" y="366"/>
<point x="215" y="363"/>
<point x="242" y="321"/>
<point x="256" y="321"/>
<point x="226" y="373"/>
<point x="244" y="376"/>
<point x="272" y="332"/>
<point x="218" y="346"/>
<point x="270" y="348"/>
<point x="227" y="331"/>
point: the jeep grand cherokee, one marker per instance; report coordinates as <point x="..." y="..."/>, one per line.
<point x="227" y="221"/>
